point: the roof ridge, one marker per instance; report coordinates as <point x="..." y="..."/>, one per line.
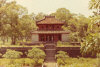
<point x="41" y="19"/>
<point x="49" y="16"/>
<point x="54" y="19"/>
<point x="45" y="18"/>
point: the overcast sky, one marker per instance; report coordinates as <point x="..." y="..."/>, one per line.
<point x="49" y="6"/>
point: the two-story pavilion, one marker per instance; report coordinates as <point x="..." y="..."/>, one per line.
<point x="49" y="30"/>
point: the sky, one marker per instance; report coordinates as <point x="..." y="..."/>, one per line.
<point x="50" y="6"/>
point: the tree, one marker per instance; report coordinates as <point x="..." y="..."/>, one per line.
<point x="83" y="26"/>
<point x="37" y="54"/>
<point x="94" y="25"/>
<point x="78" y="26"/>
<point x="91" y="45"/>
<point x="26" y="26"/>
<point x="95" y="4"/>
<point x="39" y="16"/>
<point x="63" y="14"/>
<point x="15" y="22"/>
<point x="2" y="29"/>
<point x="11" y="13"/>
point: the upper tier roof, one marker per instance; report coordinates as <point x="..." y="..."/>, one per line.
<point x="50" y="20"/>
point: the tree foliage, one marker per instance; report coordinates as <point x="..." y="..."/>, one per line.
<point x="26" y="26"/>
<point x="76" y="24"/>
<point x="91" y="45"/>
<point x="95" y="4"/>
<point x="15" y="21"/>
<point x="63" y="14"/>
<point x="39" y="16"/>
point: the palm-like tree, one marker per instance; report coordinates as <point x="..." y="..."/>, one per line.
<point x="95" y="4"/>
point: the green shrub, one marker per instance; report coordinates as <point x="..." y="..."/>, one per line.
<point x="4" y="62"/>
<point x="19" y="61"/>
<point x="40" y="61"/>
<point x="12" y="54"/>
<point x="29" y="61"/>
<point x="63" y="44"/>
<point x="61" y="57"/>
<point x="36" y="54"/>
<point x="11" y="65"/>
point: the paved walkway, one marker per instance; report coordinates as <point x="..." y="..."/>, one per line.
<point x="50" y="64"/>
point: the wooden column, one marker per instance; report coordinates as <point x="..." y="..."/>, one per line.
<point x="55" y="37"/>
<point x="44" y="37"/>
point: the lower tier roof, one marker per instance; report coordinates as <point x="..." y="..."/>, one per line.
<point x="50" y="32"/>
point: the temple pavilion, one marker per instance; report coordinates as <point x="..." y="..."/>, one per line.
<point x="49" y="30"/>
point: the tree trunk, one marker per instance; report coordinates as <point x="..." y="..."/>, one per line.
<point x="3" y="40"/>
<point x="13" y="40"/>
<point x="7" y="38"/>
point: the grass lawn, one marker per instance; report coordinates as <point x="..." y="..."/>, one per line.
<point x="8" y="44"/>
<point x="70" y="62"/>
<point x="41" y="45"/>
<point x="16" y="62"/>
<point x="62" y="45"/>
<point x="81" y="62"/>
<point x="66" y="44"/>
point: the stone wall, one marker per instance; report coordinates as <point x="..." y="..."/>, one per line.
<point x="21" y="49"/>
<point x="65" y="37"/>
<point x="35" y="37"/>
<point x="72" y="51"/>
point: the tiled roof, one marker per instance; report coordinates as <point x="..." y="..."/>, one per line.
<point x="50" y="20"/>
<point x="50" y="32"/>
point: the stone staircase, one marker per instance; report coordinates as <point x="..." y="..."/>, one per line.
<point x="50" y="64"/>
<point x="50" y="50"/>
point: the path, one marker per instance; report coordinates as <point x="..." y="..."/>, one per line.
<point x="50" y="49"/>
<point x="50" y="64"/>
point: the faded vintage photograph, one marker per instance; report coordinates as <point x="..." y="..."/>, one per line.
<point x="49" y="33"/>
